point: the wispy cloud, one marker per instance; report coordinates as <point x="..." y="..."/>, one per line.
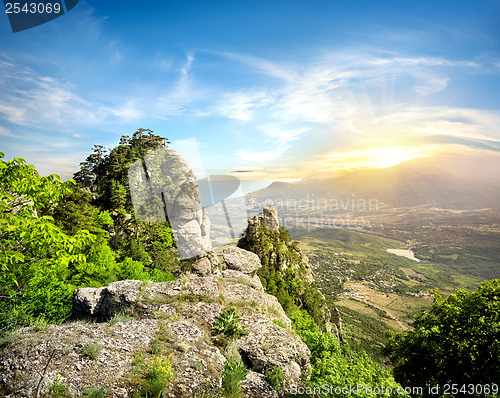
<point x="5" y="132"/>
<point x="342" y="99"/>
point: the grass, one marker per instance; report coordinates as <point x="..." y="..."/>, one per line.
<point x="155" y="346"/>
<point x="279" y="323"/>
<point x="58" y="389"/>
<point x="232" y="375"/>
<point x="91" y="350"/>
<point x="94" y="392"/>
<point x="275" y="377"/>
<point x="120" y="317"/>
<point x="228" y="323"/>
<point x="39" y="325"/>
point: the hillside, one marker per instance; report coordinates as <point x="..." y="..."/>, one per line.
<point x="95" y="302"/>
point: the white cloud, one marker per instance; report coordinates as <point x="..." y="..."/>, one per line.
<point x="242" y="105"/>
<point x="5" y="132"/>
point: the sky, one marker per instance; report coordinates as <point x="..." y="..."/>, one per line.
<point x="267" y="89"/>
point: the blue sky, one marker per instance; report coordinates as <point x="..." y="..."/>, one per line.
<point x="269" y="89"/>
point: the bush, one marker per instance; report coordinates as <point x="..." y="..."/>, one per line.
<point x="275" y="377"/>
<point x="457" y="341"/>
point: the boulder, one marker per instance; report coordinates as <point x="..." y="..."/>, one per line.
<point x="241" y="260"/>
<point x="254" y="386"/>
<point x="202" y="267"/>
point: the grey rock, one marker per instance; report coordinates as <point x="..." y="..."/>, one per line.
<point x="268" y="345"/>
<point x="88" y="300"/>
<point x="183" y="314"/>
<point x="241" y="260"/>
<point x="254" y="386"/>
<point x="202" y="266"/>
<point x="271" y="218"/>
<point x="238" y="276"/>
<point x="169" y="177"/>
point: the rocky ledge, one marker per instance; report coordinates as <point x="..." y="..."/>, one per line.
<point x="123" y="320"/>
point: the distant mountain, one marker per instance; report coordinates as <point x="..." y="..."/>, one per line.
<point x="451" y="182"/>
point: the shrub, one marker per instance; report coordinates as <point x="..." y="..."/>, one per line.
<point x="232" y="375"/>
<point x="91" y="350"/>
<point x="58" y="389"/>
<point x="228" y="323"/>
<point x="275" y="377"/>
<point x="159" y="374"/>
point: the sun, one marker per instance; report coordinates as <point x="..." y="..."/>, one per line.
<point x="391" y="156"/>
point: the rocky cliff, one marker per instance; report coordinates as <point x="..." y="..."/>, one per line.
<point x="118" y="330"/>
<point x="286" y="270"/>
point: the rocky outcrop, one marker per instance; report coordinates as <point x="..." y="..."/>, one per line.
<point x="336" y="320"/>
<point x="270" y="216"/>
<point x="164" y="183"/>
<point x="241" y="260"/>
<point x="181" y="315"/>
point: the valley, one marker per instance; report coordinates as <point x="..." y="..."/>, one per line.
<point x="376" y="290"/>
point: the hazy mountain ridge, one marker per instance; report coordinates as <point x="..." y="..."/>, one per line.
<point x="454" y="182"/>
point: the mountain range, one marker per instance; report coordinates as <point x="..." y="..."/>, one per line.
<point x="450" y="182"/>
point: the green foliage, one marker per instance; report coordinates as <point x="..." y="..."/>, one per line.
<point x="228" y="323"/>
<point x="91" y="350"/>
<point x="36" y="256"/>
<point x="337" y="365"/>
<point x="94" y="392"/>
<point x="56" y="237"/>
<point x="158" y="376"/>
<point x="275" y="377"/>
<point x="58" y="389"/>
<point x="156" y="346"/>
<point x="232" y="375"/>
<point x="456" y="341"/>
<point x="283" y="272"/>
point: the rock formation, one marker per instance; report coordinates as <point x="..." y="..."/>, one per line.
<point x="281" y="254"/>
<point x="181" y="314"/>
<point x="241" y="260"/>
<point x="162" y="187"/>
<point x="337" y="321"/>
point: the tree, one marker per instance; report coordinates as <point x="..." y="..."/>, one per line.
<point x="35" y="254"/>
<point x="456" y="342"/>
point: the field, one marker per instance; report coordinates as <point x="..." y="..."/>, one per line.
<point x="375" y="290"/>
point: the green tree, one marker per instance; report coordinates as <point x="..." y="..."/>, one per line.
<point x="35" y="254"/>
<point x="456" y="341"/>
